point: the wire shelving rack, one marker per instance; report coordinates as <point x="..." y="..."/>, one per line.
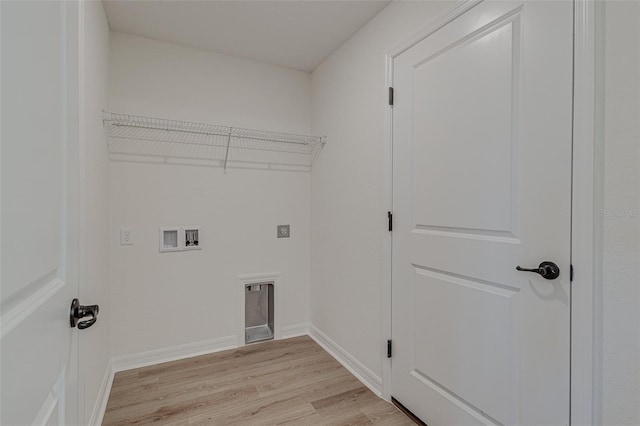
<point x="138" y="137"/>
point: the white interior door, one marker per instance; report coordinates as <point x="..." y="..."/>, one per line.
<point x="39" y="84"/>
<point x="481" y="184"/>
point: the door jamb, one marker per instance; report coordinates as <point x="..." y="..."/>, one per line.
<point x="83" y="416"/>
<point x="587" y="188"/>
<point x="587" y="207"/>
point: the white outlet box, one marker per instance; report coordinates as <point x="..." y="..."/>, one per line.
<point x="126" y="236"/>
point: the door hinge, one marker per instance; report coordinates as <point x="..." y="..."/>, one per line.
<point x="390" y="217"/>
<point x="391" y="96"/>
<point x="570" y="272"/>
<point x="389" y="348"/>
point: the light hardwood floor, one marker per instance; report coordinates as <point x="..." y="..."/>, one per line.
<point x="292" y="381"/>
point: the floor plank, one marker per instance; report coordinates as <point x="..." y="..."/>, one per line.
<point x="284" y="382"/>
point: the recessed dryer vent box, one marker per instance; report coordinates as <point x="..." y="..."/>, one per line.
<point x="258" y="312"/>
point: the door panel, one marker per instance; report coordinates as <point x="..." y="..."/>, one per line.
<point x="474" y="336"/>
<point x="452" y="86"/>
<point x="481" y="184"/>
<point x="39" y="212"/>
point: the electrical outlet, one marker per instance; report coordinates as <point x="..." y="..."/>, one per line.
<point x="126" y="236"/>
<point x="283" y="231"/>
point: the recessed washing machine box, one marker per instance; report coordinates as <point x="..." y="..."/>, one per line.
<point x="192" y="238"/>
<point x="258" y="312"/>
<point x="180" y="238"/>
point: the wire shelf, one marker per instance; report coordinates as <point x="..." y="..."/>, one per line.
<point x="148" y="137"/>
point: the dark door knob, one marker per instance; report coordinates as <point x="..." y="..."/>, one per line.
<point x="548" y="270"/>
<point x="79" y="312"/>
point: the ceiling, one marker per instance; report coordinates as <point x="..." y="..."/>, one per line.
<point x="295" y="34"/>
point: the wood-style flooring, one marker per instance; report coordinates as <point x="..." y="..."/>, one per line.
<point x="292" y="382"/>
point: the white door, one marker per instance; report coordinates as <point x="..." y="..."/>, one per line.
<point x="39" y="161"/>
<point x="481" y="184"/>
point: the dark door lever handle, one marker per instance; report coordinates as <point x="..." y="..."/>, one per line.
<point x="547" y="270"/>
<point x="79" y="311"/>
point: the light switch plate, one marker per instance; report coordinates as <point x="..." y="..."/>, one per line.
<point x="283" y="231"/>
<point x="126" y="236"/>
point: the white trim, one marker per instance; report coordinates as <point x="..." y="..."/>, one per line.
<point x="586" y="222"/>
<point x="586" y="398"/>
<point x="12" y="318"/>
<point x="173" y="353"/>
<point x="80" y="190"/>
<point x="278" y="288"/>
<point x="1" y="133"/>
<point x="100" y="406"/>
<point x="459" y="7"/>
<point x="348" y="361"/>
<point x="388" y="240"/>
<point x="295" y="330"/>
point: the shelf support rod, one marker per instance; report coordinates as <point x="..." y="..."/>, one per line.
<point x="226" y="156"/>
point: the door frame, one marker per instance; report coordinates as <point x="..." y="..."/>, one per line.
<point x="587" y="202"/>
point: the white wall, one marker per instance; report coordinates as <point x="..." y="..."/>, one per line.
<point x="161" y="300"/>
<point x="349" y="223"/>
<point x="621" y="263"/>
<point x="94" y="215"/>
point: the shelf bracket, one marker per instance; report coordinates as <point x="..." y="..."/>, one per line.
<point x="226" y="156"/>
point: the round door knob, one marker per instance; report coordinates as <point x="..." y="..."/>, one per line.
<point x="547" y="270"/>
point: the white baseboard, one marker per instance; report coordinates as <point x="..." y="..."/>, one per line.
<point x="295" y="330"/>
<point x="355" y="367"/>
<point x="97" y="415"/>
<point x="173" y="353"/>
